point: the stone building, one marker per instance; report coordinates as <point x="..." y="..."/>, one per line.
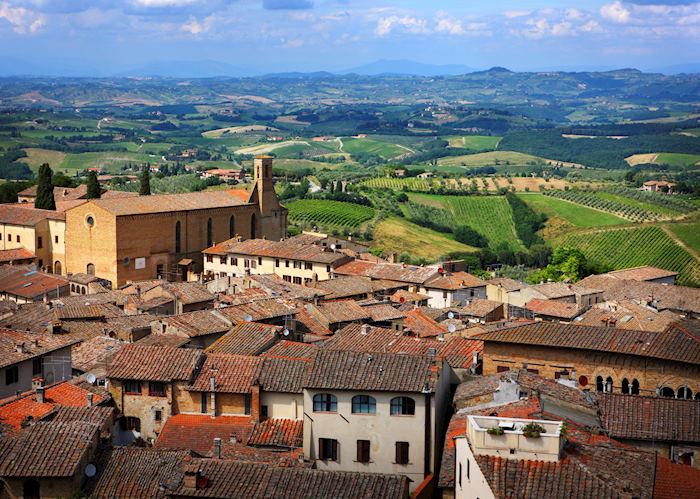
<point x="138" y="238"/>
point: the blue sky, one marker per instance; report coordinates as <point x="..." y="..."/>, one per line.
<point x="308" y="35"/>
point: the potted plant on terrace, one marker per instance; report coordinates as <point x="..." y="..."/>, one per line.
<point x="496" y="430"/>
<point x="533" y="430"/>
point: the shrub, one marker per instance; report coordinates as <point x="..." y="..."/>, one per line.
<point x="533" y="430"/>
<point x="467" y="235"/>
<point x="496" y="430"/>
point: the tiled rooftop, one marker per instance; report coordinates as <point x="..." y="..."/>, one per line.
<point x="247" y="338"/>
<point x="553" y="308"/>
<point x="419" y="324"/>
<point x="285" y="375"/>
<point x="389" y="271"/>
<point x="453" y="281"/>
<point x="154" y="363"/>
<point x="23" y="281"/>
<point x="287" y="250"/>
<point x="18" y="346"/>
<point x="233" y="373"/>
<point x="278" y="433"/>
<point x="197" y="431"/>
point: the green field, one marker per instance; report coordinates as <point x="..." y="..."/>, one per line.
<point x="577" y="215"/>
<point x="36" y="157"/>
<point x="476" y="142"/>
<point x="397" y="184"/>
<point x="386" y="150"/>
<point x="633" y="247"/>
<point x="593" y="199"/>
<point x="490" y="216"/>
<point x="107" y="160"/>
<point x="334" y="214"/>
<point x="654" y="208"/>
<point x="491" y="158"/>
<point x="689" y="233"/>
<point x="300" y="164"/>
<point x="676" y="159"/>
<point x="397" y="235"/>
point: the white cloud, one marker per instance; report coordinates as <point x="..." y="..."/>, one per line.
<point x="450" y="25"/>
<point x="22" y="20"/>
<point x="407" y="23"/>
<point x="615" y="12"/>
<point x="162" y="3"/>
<point x="512" y="14"/>
<point x="196" y="27"/>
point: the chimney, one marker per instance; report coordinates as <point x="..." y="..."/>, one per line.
<point x="19" y="348"/>
<point x="212" y="387"/>
<point x="40" y="395"/>
<point x="217" y="448"/>
<point x="90" y="400"/>
<point x="365" y="329"/>
<point x="475" y="357"/>
<point x="255" y="403"/>
<point x="233" y="438"/>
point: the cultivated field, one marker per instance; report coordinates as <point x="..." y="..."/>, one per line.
<point x="576" y="215"/>
<point x="272" y="146"/>
<point x="232" y="130"/>
<point x="334" y="214"/>
<point x="633" y="247"/>
<point x="37" y="157"/>
<point x="664" y="158"/>
<point x="398" y="235"/>
<point x="476" y="142"/>
<point x="386" y="150"/>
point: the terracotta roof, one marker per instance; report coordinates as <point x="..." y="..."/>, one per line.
<point x="154" y="363"/>
<point x="679" y="343"/>
<point x="197" y="431"/>
<point x="26" y="216"/>
<point x="273" y="285"/>
<point x="628" y="315"/>
<point x="240" y="480"/>
<point x="47" y="449"/>
<point x="233" y="373"/>
<point x="80" y="312"/>
<point x="675" y="481"/>
<point x="143" y="205"/>
<point x="553" y="308"/>
<point x="283" y="375"/>
<point x="480" y="308"/>
<point x="188" y="292"/>
<point x="247" y="338"/>
<point x="453" y="281"/>
<point x="403" y="296"/>
<point x="101" y="416"/>
<point x="311" y="324"/>
<point x="163" y="340"/>
<point x="137" y="472"/>
<point x="645" y="273"/>
<point x="340" y="311"/>
<point x="389" y="271"/>
<point x="508" y="284"/>
<point x="12" y="255"/>
<point x="287" y="458"/>
<point x="22" y="280"/>
<point x="553" y="290"/>
<point x="384" y="312"/>
<point x="258" y="310"/>
<point x="419" y="324"/>
<point x="198" y="323"/>
<point x="95" y="352"/>
<point x="68" y="193"/>
<point x="291" y="350"/>
<point x="286" y="249"/>
<point x="348" y="286"/>
<point x="278" y="433"/>
<point x="650" y="418"/>
<point x="339" y="370"/>
<point x="17" y="346"/>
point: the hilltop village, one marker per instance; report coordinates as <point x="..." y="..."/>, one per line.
<point x="181" y="345"/>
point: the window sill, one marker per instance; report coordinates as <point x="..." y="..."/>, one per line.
<point x="363" y="462"/>
<point x="402" y="415"/>
<point x="363" y="413"/>
<point x="136" y="394"/>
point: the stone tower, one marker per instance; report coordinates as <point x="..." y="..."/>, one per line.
<point x="272" y="221"/>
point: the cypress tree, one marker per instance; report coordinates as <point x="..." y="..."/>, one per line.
<point x="44" y="190"/>
<point x="93" y="186"/>
<point x="145" y="189"/>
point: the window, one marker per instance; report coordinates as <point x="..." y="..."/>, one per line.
<point x="363" y="451"/>
<point x="608" y="385"/>
<point x="286" y="263"/>
<point x="459" y="476"/>
<point x="132" y="387"/>
<point x="287" y="278"/>
<point x="247" y="404"/>
<point x="177" y="237"/>
<point x="133" y="424"/>
<point x="328" y="268"/>
<point x="90" y="220"/>
<point x="502" y="369"/>
<point x="364" y="404"/>
<point x="668" y="392"/>
<point x="259" y="261"/>
<point x="222" y="274"/>
<point x="401" y="452"/>
<point x="204" y="402"/>
<point x="9" y="237"/>
<point x="11" y="375"/>
<point x="39" y="242"/>
<point x="37" y="365"/>
<point x="625" y="386"/>
<point x="468" y="466"/>
<point x="210" y="235"/>
<point x="277" y="262"/>
<point x="599" y="384"/>
<point x="264" y="411"/>
<point x="55" y="239"/>
<point x="444" y="295"/>
<point x="234" y="262"/>
<point x="328" y="449"/>
<point x="297" y="280"/>
<point x="325" y="402"/>
<point x="252" y="226"/>
<point x="156" y="389"/>
<point x="685" y="393"/>
<point x="223" y="260"/>
<point x="90" y="269"/>
<point x="297" y="264"/>
<point x="210" y="259"/>
<point x="158" y="416"/>
<point x="231" y="227"/>
<point x="308" y="266"/>
<point x="17" y="238"/>
<point x="635" y="387"/>
<point x="533" y="371"/>
<point x="403" y="406"/>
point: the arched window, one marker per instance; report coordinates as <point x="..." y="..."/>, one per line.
<point x="90" y="269"/>
<point x="599" y="384"/>
<point x="685" y="393"/>
<point x="635" y="387"/>
<point x="72" y="288"/>
<point x="697" y="396"/>
<point x="231" y="227"/>
<point x="625" y="386"/>
<point x="210" y="237"/>
<point x="403" y="406"/>
<point x="57" y="268"/>
<point x="608" y="385"/>
<point x="325" y="402"/>
<point x="668" y="392"/>
<point x="253" y="222"/>
<point x="364" y="404"/>
<point x="178" y="245"/>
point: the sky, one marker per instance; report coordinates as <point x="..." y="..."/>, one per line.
<point x="109" y="36"/>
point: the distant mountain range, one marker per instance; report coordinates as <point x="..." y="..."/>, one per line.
<point x="12" y="66"/>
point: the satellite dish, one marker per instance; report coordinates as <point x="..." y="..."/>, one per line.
<point x="285" y="332"/>
<point x="333" y="246"/>
<point x="90" y="470"/>
<point x="248" y="318"/>
<point x="450" y="315"/>
<point x="452" y="328"/>
<point x="91" y="378"/>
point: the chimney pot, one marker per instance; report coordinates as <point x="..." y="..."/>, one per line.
<point x="217" y="448"/>
<point x="40" y="394"/>
<point x="364" y="329"/>
<point x="90" y="399"/>
<point x="19" y="348"/>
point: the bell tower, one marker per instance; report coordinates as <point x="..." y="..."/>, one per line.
<point x="272" y="220"/>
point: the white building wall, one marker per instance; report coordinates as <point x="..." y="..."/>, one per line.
<point x="470" y="482"/>
<point x="283" y="405"/>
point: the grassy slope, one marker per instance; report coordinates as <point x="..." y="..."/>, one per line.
<point x="476" y="142"/>
<point x="577" y="215"/>
<point x="401" y="236"/>
<point x="370" y="146"/>
<point x="329" y="213"/>
<point x="654" y="208"/>
<point x="491" y="216"/>
<point x="36" y="157"/>
<point x="489" y="158"/>
<point x="689" y="233"/>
